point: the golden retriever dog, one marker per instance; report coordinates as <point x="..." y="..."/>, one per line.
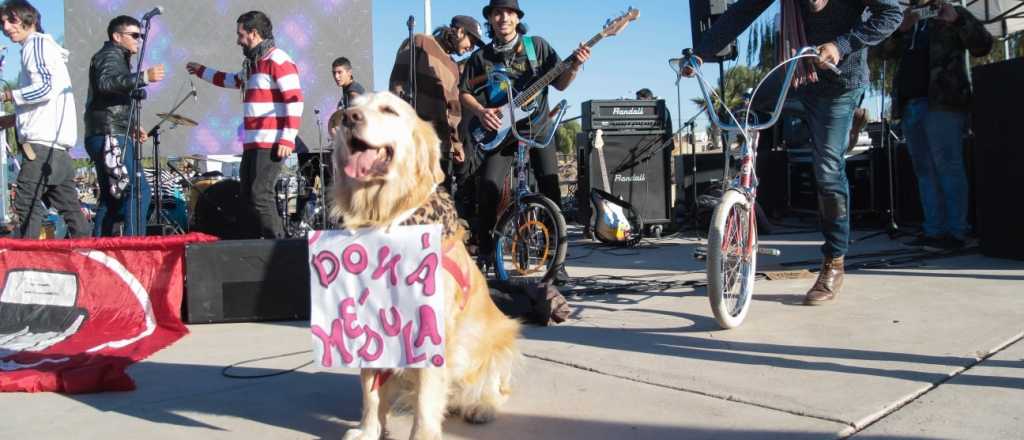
<point x="386" y="160"/>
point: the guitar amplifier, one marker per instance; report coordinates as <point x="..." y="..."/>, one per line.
<point x="626" y="116"/>
<point x="639" y="172"/>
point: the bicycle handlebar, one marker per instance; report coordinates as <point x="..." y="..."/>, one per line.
<point x="690" y="61"/>
<point x="561" y="107"/>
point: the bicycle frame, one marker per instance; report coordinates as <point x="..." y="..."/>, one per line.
<point x="523" y="146"/>
<point x="746" y="181"/>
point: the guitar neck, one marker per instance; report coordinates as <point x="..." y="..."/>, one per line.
<point x="523" y="97"/>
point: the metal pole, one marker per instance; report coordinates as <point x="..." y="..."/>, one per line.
<point x="426" y="17"/>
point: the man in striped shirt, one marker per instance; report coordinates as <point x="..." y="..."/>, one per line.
<point x="272" y="103"/>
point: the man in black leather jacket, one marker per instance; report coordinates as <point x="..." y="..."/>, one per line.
<point x="106" y="128"/>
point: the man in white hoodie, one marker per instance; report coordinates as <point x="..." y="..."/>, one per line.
<point x="46" y="125"/>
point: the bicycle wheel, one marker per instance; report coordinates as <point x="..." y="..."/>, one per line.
<point x="732" y="259"/>
<point x="531" y="240"/>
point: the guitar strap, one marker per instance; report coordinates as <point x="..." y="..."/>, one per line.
<point x="531" y="54"/>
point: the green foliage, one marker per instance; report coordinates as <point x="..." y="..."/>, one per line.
<point x="565" y="137"/>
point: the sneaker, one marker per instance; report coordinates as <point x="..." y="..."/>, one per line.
<point x="945" y="244"/>
<point x="922" y="241"/>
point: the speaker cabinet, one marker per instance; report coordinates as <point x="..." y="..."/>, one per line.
<point x="802" y="188"/>
<point x="246" y="280"/>
<point x="998" y="156"/>
<point x="639" y="171"/>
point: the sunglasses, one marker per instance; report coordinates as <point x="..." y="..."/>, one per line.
<point x="135" y="35"/>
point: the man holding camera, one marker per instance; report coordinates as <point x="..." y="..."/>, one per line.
<point x="931" y="94"/>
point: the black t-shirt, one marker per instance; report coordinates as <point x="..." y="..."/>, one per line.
<point x="914" y="74"/>
<point x="346" y="94"/>
<point x="483" y="61"/>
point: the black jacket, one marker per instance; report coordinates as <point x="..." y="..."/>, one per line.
<point x="110" y="82"/>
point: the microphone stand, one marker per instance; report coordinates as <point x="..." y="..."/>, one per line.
<point x="155" y="134"/>
<point x="321" y="197"/>
<point x="134" y="123"/>
<point x="674" y="64"/>
<point x="411" y="23"/>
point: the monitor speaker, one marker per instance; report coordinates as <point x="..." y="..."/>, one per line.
<point x="997" y="157"/>
<point x="246" y="280"/>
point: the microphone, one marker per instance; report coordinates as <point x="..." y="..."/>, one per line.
<point x="156" y="11"/>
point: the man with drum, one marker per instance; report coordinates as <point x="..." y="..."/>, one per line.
<point x="106" y="129"/>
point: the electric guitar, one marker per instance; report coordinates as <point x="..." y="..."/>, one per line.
<point x="487" y="140"/>
<point x="610" y="221"/>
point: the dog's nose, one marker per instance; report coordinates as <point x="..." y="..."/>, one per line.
<point x="353" y="117"/>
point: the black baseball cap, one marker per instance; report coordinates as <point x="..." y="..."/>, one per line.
<point x="470" y="26"/>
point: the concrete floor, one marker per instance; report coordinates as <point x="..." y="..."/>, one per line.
<point x="911" y="350"/>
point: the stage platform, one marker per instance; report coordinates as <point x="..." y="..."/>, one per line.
<point x="925" y="349"/>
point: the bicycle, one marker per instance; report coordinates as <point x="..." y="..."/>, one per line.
<point x="530" y="236"/>
<point x="731" y="252"/>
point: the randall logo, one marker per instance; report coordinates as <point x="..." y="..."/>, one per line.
<point x="632" y="111"/>
<point x="637" y="178"/>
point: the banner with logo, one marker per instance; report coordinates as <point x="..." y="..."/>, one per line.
<point x="377" y="298"/>
<point x="75" y="313"/>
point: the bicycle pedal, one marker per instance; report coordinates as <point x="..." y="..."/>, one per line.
<point x="700" y="253"/>
<point x="768" y="251"/>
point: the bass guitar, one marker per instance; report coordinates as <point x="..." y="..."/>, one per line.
<point x="487" y="140"/>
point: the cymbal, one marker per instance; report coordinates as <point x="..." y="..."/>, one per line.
<point x="177" y="119"/>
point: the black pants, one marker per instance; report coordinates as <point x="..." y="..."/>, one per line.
<point x="495" y="169"/>
<point x="259" y="172"/>
<point x="49" y="179"/>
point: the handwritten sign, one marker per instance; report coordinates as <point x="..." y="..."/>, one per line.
<point x="377" y="297"/>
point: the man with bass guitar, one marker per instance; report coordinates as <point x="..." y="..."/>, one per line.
<point x="525" y="60"/>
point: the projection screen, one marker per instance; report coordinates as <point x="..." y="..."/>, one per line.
<point x="313" y="32"/>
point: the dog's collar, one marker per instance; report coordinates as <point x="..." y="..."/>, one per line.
<point x="408" y="213"/>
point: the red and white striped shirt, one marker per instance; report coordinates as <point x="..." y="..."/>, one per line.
<point x="272" y="103"/>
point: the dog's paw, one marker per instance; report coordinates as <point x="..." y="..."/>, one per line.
<point x="359" y="434"/>
<point x="452" y="411"/>
<point x="480" y="414"/>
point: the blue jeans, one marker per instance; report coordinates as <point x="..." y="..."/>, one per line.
<point x="935" y="142"/>
<point x="110" y="211"/>
<point x="830" y="117"/>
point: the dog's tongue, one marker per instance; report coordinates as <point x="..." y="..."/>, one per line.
<point x="362" y="164"/>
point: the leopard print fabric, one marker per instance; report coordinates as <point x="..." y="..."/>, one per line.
<point x="439" y="209"/>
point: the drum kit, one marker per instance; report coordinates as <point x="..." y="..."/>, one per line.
<point x="209" y="202"/>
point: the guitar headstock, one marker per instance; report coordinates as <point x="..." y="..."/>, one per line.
<point x="599" y="139"/>
<point x="613" y="27"/>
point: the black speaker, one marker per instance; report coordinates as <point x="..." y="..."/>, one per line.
<point x="997" y="157"/>
<point x="246" y="280"/>
<point x="704" y="13"/>
<point x="639" y="171"/>
<point x="802" y="187"/>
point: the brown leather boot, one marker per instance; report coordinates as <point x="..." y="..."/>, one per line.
<point x="829" y="283"/>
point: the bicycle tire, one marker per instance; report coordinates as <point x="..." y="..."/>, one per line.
<point x="730" y="272"/>
<point x="510" y="263"/>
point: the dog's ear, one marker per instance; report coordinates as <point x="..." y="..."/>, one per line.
<point x="425" y="136"/>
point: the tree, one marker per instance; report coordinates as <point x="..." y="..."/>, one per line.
<point x="565" y="137"/>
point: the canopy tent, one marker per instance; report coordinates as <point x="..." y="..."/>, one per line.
<point x="1002" y="17"/>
